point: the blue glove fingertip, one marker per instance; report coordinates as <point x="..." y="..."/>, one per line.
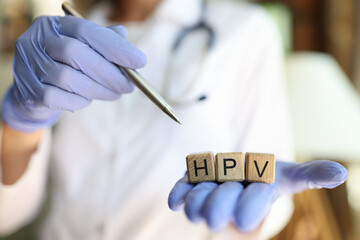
<point x="219" y="207"/>
<point x="195" y="200"/>
<point x="313" y="174"/>
<point x="331" y="174"/>
<point x="254" y="204"/>
<point x="177" y="196"/>
<point x="139" y="59"/>
<point x="119" y="29"/>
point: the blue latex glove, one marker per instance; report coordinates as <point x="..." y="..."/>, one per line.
<point x="229" y="202"/>
<point x="62" y="63"/>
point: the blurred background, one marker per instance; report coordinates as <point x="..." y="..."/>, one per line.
<point x="322" y="49"/>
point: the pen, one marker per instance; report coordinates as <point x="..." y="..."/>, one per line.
<point x="135" y="77"/>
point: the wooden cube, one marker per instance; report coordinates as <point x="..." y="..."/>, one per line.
<point x="230" y="167"/>
<point x="260" y="167"/>
<point x="201" y="167"/>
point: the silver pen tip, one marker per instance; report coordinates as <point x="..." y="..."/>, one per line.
<point x="176" y="118"/>
<point x="172" y="114"/>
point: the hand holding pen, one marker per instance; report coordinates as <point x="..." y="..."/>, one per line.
<point x="135" y="77"/>
<point x="56" y="69"/>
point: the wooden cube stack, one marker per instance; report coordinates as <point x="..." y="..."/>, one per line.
<point x="257" y="167"/>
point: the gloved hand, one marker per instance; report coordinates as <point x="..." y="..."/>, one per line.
<point x="62" y="63"/>
<point x="229" y="202"/>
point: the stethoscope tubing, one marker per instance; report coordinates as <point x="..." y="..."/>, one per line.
<point x="201" y="25"/>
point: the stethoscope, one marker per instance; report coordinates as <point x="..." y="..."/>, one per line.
<point x="201" y="25"/>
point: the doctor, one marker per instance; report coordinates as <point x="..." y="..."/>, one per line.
<point x="113" y="162"/>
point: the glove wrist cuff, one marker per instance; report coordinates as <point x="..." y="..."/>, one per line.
<point x="24" y="117"/>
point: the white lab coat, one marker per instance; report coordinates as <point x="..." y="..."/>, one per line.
<point x="113" y="163"/>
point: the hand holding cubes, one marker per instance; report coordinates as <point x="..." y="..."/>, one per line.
<point x="221" y="205"/>
<point x="260" y="167"/>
